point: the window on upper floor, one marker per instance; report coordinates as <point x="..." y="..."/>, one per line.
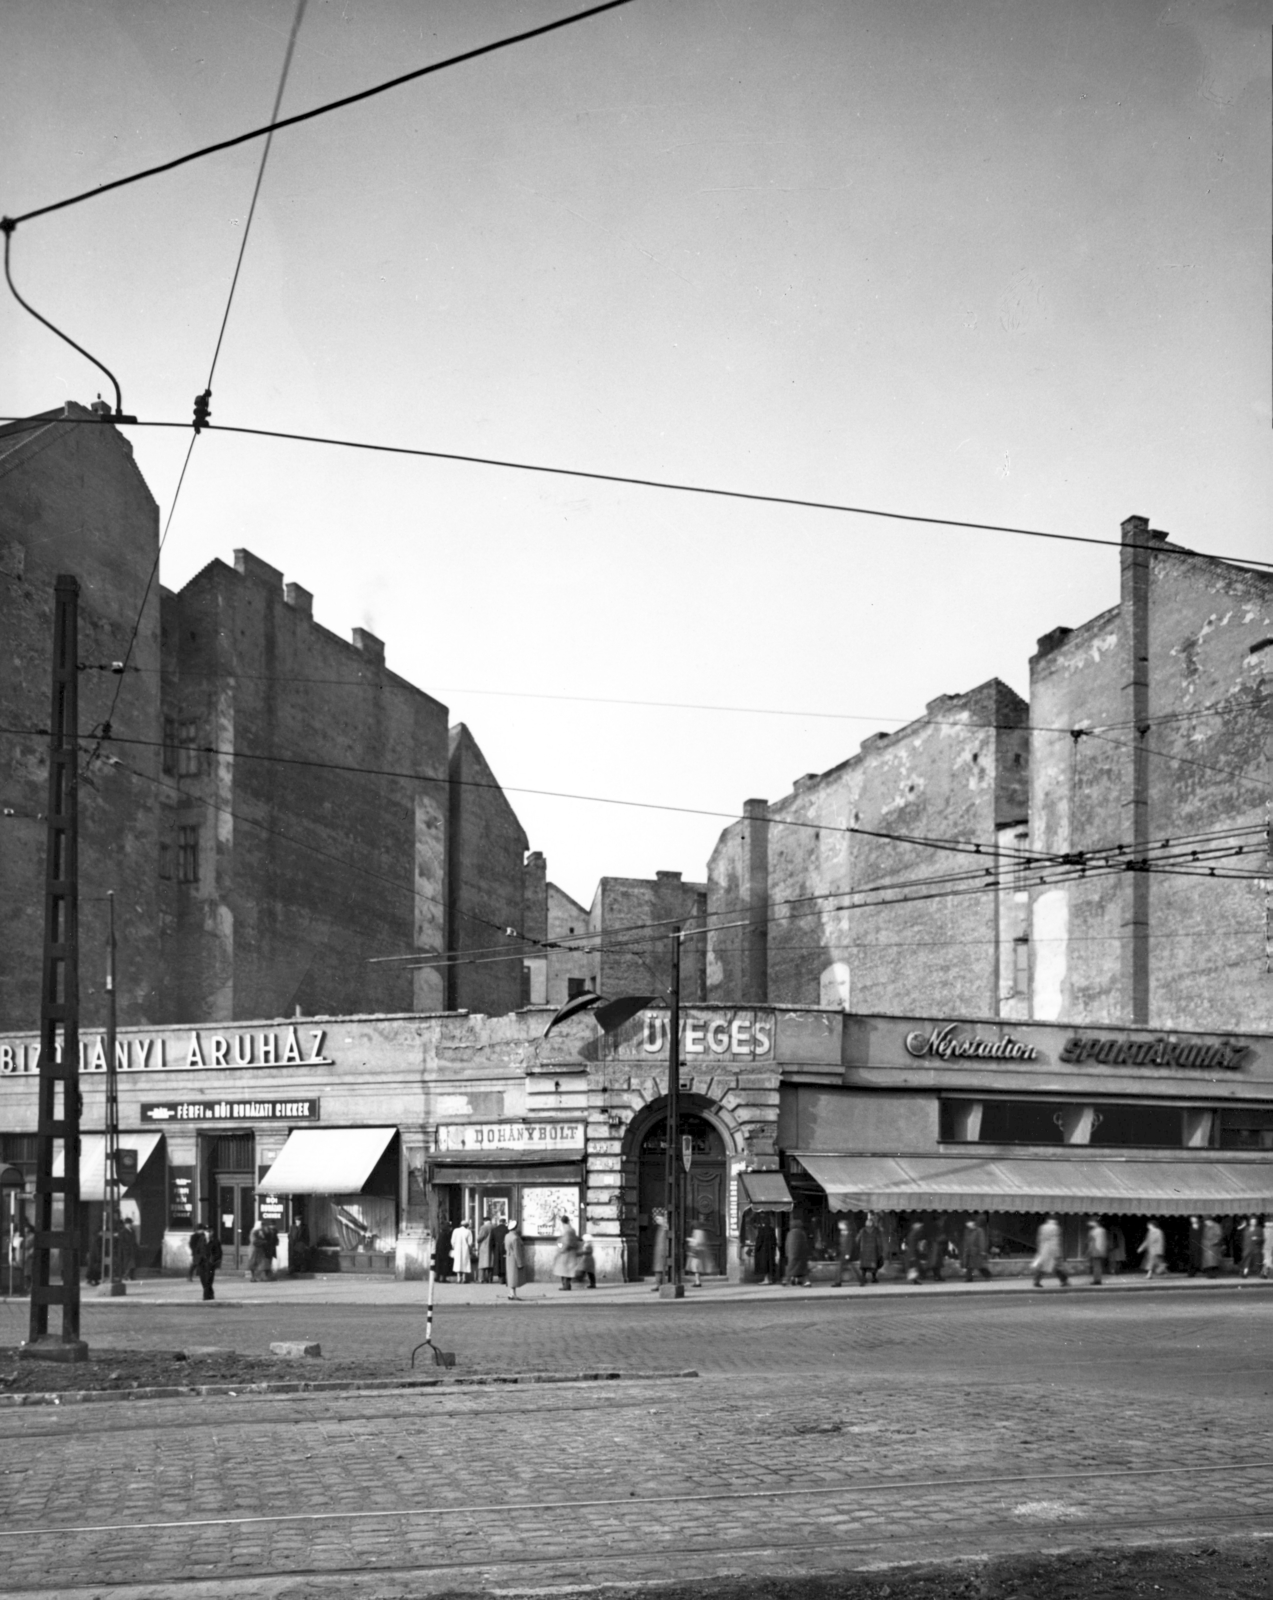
<point x="188" y="854"/>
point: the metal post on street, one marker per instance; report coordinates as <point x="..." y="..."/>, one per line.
<point x="110" y="1222"/>
<point x="674" y="1286"/>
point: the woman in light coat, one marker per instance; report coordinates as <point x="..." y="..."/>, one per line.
<point x="513" y="1259"/>
<point x="484" y="1258"/>
<point x="462" y="1251"/>
<point x="566" y="1261"/>
<point x="1050" y="1256"/>
<point x="1152" y="1248"/>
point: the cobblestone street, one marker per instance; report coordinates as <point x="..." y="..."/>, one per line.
<point x="824" y="1434"/>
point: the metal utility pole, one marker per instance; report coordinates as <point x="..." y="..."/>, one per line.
<point x="674" y="1287"/>
<point x="111" y="1187"/>
<point x="59" y="1124"/>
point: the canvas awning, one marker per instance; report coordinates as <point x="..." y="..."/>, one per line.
<point x="93" y="1160"/>
<point x="975" y="1183"/>
<point x="326" y="1161"/>
<point x="764" y="1191"/>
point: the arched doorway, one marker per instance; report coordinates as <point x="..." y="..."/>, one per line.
<point x="705" y="1185"/>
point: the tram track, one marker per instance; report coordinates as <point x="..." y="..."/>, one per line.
<point x="806" y="1488"/>
<point x="696" y="1554"/>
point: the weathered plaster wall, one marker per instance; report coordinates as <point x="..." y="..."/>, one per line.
<point x="957" y="773"/>
<point x="1208" y="740"/>
<point x="486" y="849"/>
<point x="72" y="500"/>
<point x="313" y="857"/>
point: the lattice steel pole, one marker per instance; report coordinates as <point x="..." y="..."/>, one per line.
<point x="59" y="1124"/>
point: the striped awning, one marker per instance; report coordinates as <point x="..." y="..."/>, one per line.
<point x="93" y="1160"/>
<point x="326" y="1161"/>
<point x="974" y="1183"/>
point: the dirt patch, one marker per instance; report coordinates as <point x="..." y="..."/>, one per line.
<point x="1226" y="1569"/>
<point x="162" y="1369"/>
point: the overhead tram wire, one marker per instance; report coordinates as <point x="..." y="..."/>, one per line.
<point x="629" y="480"/>
<point x="987" y="852"/>
<point x="315" y="111"/>
<point x="203" y="401"/>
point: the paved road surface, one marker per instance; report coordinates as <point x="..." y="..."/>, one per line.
<point x="824" y="1434"/>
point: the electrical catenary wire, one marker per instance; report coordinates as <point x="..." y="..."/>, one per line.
<point x="1180" y="552"/>
<point x="315" y="111"/>
<point x="204" y="400"/>
<point x="390" y="681"/>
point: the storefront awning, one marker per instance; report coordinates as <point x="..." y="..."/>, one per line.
<point x="972" y="1183"/>
<point x="326" y="1161"/>
<point x="764" y="1191"/>
<point x="93" y="1160"/>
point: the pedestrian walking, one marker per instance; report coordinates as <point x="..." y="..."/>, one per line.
<point x="298" y="1246"/>
<point x="915" y="1251"/>
<point x="1212" y="1245"/>
<point x="484" y="1250"/>
<point x="128" y="1249"/>
<point x="797" y="1253"/>
<point x="844" y="1243"/>
<point x="587" y="1270"/>
<point x="499" y="1232"/>
<point x="1097" y="1249"/>
<point x="1266" y="1250"/>
<point x="1048" y="1253"/>
<point x="566" y="1261"/>
<point x="1117" y="1249"/>
<point x="442" y="1251"/>
<point x="660" y="1248"/>
<point x="1252" y="1247"/>
<point x="462" y="1251"/>
<point x="1195" y="1246"/>
<point x="205" y="1247"/>
<point x="765" y="1250"/>
<point x="973" y="1251"/>
<point x="196" y="1243"/>
<point x="870" y="1250"/>
<point x="513" y="1258"/>
<point x="939" y="1249"/>
<point x="698" y="1255"/>
<point x="256" y="1261"/>
<point x="1151" y="1250"/>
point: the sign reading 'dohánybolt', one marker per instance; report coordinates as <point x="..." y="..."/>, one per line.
<point x="489" y="1137"/>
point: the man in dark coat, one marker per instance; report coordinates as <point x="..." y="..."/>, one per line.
<point x="870" y="1249"/>
<point x="797" y="1254"/>
<point x="499" y="1232"/>
<point x="765" y="1250"/>
<point x="205" y="1252"/>
<point x="442" y="1251"/>
<point x="972" y="1250"/>
<point x="844" y="1243"/>
<point x="1195" y="1246"/>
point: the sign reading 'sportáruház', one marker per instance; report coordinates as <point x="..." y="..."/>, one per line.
<point x="1222" y="1055"/>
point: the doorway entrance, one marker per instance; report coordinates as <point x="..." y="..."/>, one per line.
<point x="704" y="1186"/>
<point x="235" y="1216"/>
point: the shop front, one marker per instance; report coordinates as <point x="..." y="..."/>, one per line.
<point x="332" y="1194"/>
<point x="944" y="1123"/>
<point x="528" y="1169"/>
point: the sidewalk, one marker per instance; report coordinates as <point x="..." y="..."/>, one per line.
<point x="337" y="1289"/>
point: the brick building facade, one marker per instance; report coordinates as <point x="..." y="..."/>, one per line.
<point x="275" y="808"/>
<point x="898" y="880"/>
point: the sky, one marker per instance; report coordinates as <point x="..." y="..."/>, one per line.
<point x="992" y="260"/>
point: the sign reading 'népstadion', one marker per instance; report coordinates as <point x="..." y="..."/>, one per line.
<point x="161" y="1111"/>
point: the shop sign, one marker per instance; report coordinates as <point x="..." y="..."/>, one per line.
<point x="1190" y="1054"/>
<point x="950" y="1043"/>
<point x="180" y="1197"/>
<point x="229" y="1111"/>
<point x="495" y="1137"/>
<point x="749" y="1034"/>
<point x="195" y="1051"/>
